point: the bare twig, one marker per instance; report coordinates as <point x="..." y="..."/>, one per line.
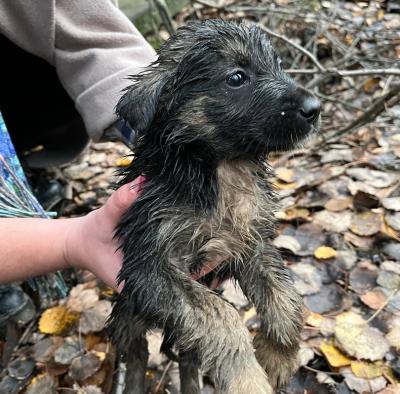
<point x="377" y="107"/>
<point x="347" y="73"/>
<point x="320" y="67"/>
<point x="376" y="313"/>
<point x="164" y="374"/>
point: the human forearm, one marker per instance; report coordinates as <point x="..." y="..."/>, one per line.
<point x="31" y="247"/>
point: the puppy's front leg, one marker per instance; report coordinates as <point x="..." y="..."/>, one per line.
<point x="202" y="323"/>
<point x="267" y="283"/>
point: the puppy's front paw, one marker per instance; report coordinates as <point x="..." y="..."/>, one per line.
<point x="280" y="362"/>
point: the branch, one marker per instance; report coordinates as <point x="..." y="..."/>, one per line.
<point x="347" y="73"/>
<point x="320" y="67"/>
<point x="370" y="114"/>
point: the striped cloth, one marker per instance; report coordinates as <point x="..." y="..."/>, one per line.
<point x="17" y="200"/>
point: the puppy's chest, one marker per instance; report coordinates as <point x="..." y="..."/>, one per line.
<point x="244" y="208"/>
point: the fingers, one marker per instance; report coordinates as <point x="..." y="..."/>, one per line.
<point x="122" y="199"/>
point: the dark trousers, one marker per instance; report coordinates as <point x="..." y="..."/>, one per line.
<point x="37" y="110"/>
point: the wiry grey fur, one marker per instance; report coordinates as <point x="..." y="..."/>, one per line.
<point x="201" y="146"/>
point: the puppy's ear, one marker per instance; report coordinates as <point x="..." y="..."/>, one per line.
<point x="139" y="103"/>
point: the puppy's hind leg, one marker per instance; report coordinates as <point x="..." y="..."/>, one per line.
<point x="203" y="324"/>
<point x="189" y="373"/>
<point x="136" y="362"/>
<point x="267" y="283"/>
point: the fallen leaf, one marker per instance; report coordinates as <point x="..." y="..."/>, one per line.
<point x="296" y="213"/>
<point x="393" y="220"/>
<point x="82" y="297"/>
<point x="359" y="242"/>
<point x="337" y="155"/>
<point x="123" y="161"/>
<point x="346" y="258"/>
<point x="305" y="355"/>
<point x="329" y="299"/>
<point x="324" y="253"/>
<point x="363" y="278"/>
<point x="84" y="366"/>
<point x="306" y="278"/>
<point x="285" y="174"/>
<point x="56" y="320"/>
<point x="358" y="339"/>
<point x="338" y="204"/>
<point x="333" y="355"/>
<point x="371" y="85"/>
<point x="363" y="200"/>
<point x="287" y="242"/>
<point x="70" y="349"/>
<point x="366" y="223"/>
<point x="284" y="186"/>
<point x="391" y="203"/>
<point x="393" y="336"/>
<point x="336" y="222"/>
<point x="314" y="319"/>
<point x="94" y="319"/>
<point x="374" y="299"/>
<point x="366" y="370"/>
<point x="42" y="385"/>
<point x="43" y="351"/>
<point x="361" y="385"/>
<point x="373" y="178"/>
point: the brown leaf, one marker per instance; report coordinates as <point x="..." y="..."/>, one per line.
<point x="363" y="200"/>
<point x="366" y="223"/>
<point x="374" y="299"/>
<point x="338" y="204"/>
<point x="371" y="85"/>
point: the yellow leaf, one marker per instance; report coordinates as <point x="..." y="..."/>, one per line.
<point x="285" y="174"/>
<point x="348" y="39"/>
<point x="324" y="253"/>
<point x="389" y="231"/>
<point x="284" y="186"/>
<point x="123" y="161"/>
<point x="314" y="319"/>
<point x="296" y="213"/>
<point x="334" y="356"/>
<point x="56" y="320"/>
<point x="365" y="370"/>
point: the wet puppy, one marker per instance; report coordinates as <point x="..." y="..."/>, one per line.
<point x="208" y="112"/>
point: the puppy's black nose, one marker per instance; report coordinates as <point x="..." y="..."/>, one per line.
<point x="310" y="108"/>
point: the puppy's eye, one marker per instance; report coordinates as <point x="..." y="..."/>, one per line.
<point x="237" y="79"/>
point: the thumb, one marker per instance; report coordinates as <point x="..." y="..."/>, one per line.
<point x="122" y="199"/>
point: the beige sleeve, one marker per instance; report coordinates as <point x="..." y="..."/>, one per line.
<point x="92" y="44"/>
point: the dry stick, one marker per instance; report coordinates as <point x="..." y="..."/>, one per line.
<point x="320" y="67"/>
<point x="371" y="113"/>
<point x="347" y="73"/>
<point x="376" y="313"/>
<point x="164" y="374"/>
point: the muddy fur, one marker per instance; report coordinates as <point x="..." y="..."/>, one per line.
<point x="201" y="146"/>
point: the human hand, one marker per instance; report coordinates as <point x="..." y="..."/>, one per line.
<point x="89" y="240"/>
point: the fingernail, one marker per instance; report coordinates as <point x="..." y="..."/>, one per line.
<point x="137" y="185"/>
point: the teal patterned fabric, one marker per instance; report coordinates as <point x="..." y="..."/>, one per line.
<point x="16" y="200"/>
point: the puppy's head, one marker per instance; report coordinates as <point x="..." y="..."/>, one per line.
<point x="219" y="84"/>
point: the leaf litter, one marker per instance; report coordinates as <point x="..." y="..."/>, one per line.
<point x="339" y="227"/>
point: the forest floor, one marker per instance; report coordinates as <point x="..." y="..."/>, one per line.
<point x="339" y="218"/>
